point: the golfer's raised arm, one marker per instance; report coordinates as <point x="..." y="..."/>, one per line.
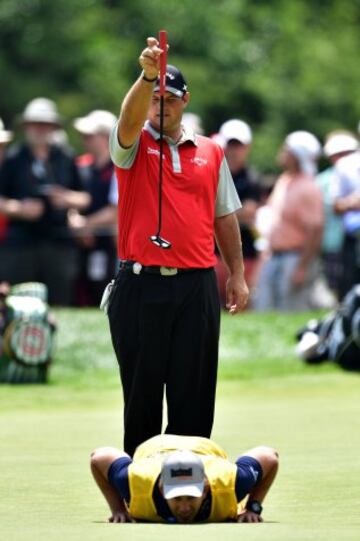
<point x="136" y="103"/>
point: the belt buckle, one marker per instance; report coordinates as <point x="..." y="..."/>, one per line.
<point x="168" y="271"/>
<point x="136" y="268"/>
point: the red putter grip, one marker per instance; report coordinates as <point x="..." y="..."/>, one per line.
<point x="163" y="60"/>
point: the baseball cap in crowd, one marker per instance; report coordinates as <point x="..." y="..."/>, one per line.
<point x="5" y="135"/>
<point x="340" y="142"/>
<point x="182" y="474"/>
<point x="237" y="130"/>
<point x="175" y="82"/>
<point x="307" y="149"/>
<point x="98" y="121"/>
<point x="193" y="122"/>
<point x="41" y="110"/>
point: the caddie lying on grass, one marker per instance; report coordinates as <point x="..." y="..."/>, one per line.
<point x="184" y="479"/>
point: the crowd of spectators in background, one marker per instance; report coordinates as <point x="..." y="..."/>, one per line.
<point x="58" y="211"/>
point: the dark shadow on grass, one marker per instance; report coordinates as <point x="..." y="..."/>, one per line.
<point x="194" y="524"/>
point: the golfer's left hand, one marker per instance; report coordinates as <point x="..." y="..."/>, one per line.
<point x="249" y="516"/>
<point x="237" y="294"/>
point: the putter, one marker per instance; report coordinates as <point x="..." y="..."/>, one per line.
<point x="157" y="239"/>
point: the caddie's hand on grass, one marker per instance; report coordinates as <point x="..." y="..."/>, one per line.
<point x="150" y="58"/>
<point x="249" y="516"/>
<point x="121" y="517"/>
<point x="237" y="294"/>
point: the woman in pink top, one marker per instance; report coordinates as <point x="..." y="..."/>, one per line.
<point x="295" y="232"/>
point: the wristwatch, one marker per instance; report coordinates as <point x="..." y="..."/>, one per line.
<point x="254" y="506"/>
<point x="152" y="80"/>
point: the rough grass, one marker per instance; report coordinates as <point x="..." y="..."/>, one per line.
<point x="251" y="346"/>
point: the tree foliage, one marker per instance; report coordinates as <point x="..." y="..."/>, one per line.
<point x="277" y="64"/>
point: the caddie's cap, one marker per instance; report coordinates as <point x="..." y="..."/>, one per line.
<point x="41" y="110"/>
<point x="97" y="121"/>
<point x="5" y="135"/>
<point x="340" y="142"/>
<point x="235" y="129"/>
<point x="175" y="82"/>
<point x="182" y="474"/>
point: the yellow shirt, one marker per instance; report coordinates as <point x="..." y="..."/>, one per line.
<point x="146" y="467"/>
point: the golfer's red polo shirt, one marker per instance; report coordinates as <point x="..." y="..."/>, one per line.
<point x="191" y="172"/>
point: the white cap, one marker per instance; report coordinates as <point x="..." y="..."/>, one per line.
<point x="5" y="136"/>
<point x="340" y="142"/>
<point x="305" y="146"/>
<point x="192" y="122"/>
<point x="41" y="110"/>
<point x="97" y="121"/>
<point x="182" y="474"/>
<point x="235" y="129"/>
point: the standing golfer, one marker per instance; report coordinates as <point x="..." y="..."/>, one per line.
<point x="164" y="308"/>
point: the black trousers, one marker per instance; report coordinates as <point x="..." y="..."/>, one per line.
<point x="165" y="332"/>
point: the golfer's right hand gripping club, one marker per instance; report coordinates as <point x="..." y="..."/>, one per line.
<point x="157" y="239"/>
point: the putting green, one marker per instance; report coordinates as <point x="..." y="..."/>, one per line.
<point x="47" y="433"/>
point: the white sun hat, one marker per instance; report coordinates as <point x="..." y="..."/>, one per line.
<point x="5" y="135"/>
<point x="41" y="110"/>
<point x="98" y="121"/>
<point x="340" y="142"/>
<point x="307" y="149"/>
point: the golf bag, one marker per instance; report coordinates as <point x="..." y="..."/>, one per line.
<point x="26" y="334"/>
<point x="336" y="337"/>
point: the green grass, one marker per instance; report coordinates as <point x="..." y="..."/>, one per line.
<point x="252" y="346"/>
<point x="265" y="395"/>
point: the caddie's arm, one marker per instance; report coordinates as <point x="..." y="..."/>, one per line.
<point x="136" y="103"/>
<point x="100" y="462"/>
<point x="228" y="239"/>
<point x="268" y="459"/>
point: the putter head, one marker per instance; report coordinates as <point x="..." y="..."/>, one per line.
<point x="160" y="242"/>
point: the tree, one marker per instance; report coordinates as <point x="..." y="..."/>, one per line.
<point x="279" y="65"/>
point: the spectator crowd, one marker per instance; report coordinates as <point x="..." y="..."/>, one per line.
<point x="58" y="211"/>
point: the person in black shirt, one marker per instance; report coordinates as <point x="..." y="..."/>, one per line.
<point x="39" y="183"/>
<point x="96" y="240"/>
<point x="235" y="137"/>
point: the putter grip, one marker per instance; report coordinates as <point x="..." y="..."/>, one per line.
<point x="163" y="60"/>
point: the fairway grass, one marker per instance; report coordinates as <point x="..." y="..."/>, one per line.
<point x="47" y="493"/>
<point x="264" y="397"/>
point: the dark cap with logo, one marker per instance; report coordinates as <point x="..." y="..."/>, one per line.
<point x="175" y="82"/>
